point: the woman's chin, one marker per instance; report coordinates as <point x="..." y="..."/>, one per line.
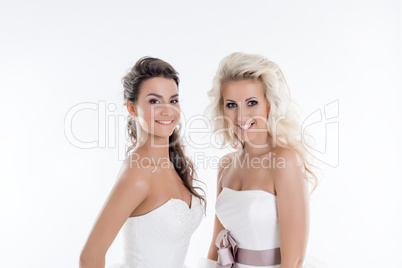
<point x="246" y="136"/>
<point x="163" y="134"/>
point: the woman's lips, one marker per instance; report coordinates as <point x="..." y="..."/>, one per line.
<point x="164" y="122"/>
<point x="246" y="128"/>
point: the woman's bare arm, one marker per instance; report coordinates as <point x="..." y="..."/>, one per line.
<point x="213" y="250"/>
<point x="291" y="187"/>
<point x="130" y="190"/>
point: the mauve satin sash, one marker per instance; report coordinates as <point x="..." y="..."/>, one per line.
<point x="258" y="257"/>
<point x="230" y="253"/>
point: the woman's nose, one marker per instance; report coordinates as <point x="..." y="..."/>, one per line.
<point x="167" y="110"/>
<point x="242" y="113"/>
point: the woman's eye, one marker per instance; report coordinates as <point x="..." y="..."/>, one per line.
<point x="231" y="105"/>
<point x="252" y="103"/>
<point x="153" y="101"/>
<point x="174" y="101"/>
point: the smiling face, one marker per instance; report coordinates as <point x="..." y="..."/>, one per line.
<point x="246" y="108"/>
<point x="157" y="109"/>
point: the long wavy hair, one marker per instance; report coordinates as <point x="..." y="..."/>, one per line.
<point x="147" y="68"/>
<point x="287" y="131"/>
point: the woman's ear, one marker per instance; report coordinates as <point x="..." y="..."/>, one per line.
<point x="131" y="108"/>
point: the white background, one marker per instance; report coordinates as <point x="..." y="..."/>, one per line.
<point x="55" y="55"/>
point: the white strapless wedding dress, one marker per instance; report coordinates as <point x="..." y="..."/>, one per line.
<point x="160" y="238"/>
<point x="251" y="218"/>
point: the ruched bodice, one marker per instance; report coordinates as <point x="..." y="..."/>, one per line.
<point x="161" y="237"/>
<point x="251" y="217"/>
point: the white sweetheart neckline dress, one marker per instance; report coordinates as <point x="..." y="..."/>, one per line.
<point x="180" y="201"/>
<point x="160" y="238"/>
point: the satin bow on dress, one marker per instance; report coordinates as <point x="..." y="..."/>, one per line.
<point x="227" y="252"/>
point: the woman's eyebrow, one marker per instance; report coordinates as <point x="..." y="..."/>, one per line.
<point x="245" y="100"/>
<point x="160" y="96"/>
<point x="251" y="98"/>
<point x="153" y="94"/>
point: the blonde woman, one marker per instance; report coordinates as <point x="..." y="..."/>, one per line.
<point x="262" y="206"/>
<point x="154" y="197"/>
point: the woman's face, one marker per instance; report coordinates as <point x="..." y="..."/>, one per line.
<point x="157" y="109"/>
<point x="246" y="108"/>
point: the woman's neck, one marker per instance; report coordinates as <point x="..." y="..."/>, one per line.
<point x="260" y="145"/>
<point x="154" y="147"/>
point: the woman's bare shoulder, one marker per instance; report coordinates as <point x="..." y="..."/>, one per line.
<point x="289" y="171"/>
<point x="133" y="173"/>
<point x="225" y="163"/>
<point x="286" y="157"/>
